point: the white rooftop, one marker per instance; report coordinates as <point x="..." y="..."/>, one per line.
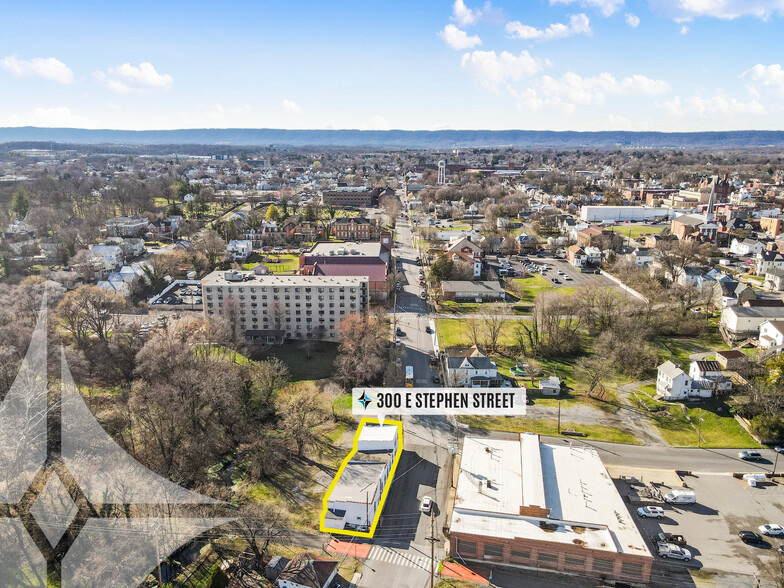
<point x="249" y="278"/>
<point x="374" y="433"/>
<point x="569" y="482"/>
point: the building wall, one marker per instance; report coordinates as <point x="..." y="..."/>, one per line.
<point x="299" y="308"/>
<point x="552" y="556"/>
<point x="354" y="199"/>
<point x="771" y="225"/>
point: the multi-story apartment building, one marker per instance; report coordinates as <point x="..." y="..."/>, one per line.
<point x="275" y="308"/>
<point x="350" y="196"/>
<point x="126" y="226"/>
<point x="354" y="229"/>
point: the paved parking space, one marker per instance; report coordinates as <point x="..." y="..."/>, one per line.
<point x="724" y="507"/>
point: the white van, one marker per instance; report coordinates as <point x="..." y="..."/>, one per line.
<point x="681" y="497"/>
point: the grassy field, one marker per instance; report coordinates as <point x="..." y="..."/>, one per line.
<point x="287" y="262"/>
<point x="719" y="429"/>
<point x="548" y="427"/>
<point x="637" y="231"/>
<point x="678" y="349"/>
<point x="320" y="365"/>
<point x="535" y="284"/>
<point x="454" y="332"/>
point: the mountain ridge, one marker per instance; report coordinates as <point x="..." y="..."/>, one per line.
<point x="398" y="138"/>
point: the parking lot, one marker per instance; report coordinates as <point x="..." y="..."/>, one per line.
<point x="548" y="267"/>
<point x="724" y="506"/>
<point x="181" y="294"/>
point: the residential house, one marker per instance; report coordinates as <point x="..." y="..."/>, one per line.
<point x="576" y="256"/>
<point x="589" y="236"/>
<point x="126" y="226"/>
<point x="526" y="243"/>
<point x="306" y="570"/>
<point x="474" y="291"/>
<point x="470" y="368"/>
<point x="745" y="321"/>
<point x="121" y="281"/>
<point x="768" y="260"/>
<point x="728" y="292"/>
<point x="641" y="256"/>
<point x="771" y="334"/>
<point x="469" y="260"/>
<point x="109" y="257"/>
<point x="746" y="247"/>
<point x="240" y="249"/>
<point x="774" y="280"/>
<point x="672" y="383"/>
<point x="550" y="386"/>
<point x="465" y="245"/>
<point x="165" y="228"/>
<point x="593" y="255"/>
<point x="707" y="379"/>
<point x="353" y="229"/>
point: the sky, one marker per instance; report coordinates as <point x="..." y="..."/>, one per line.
<point x="585" y="65"/>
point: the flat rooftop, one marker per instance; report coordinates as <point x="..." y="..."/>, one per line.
<point x="543" y="492"/>
<point x="346" y="249"/>
<point x="218" y="278"/>
<point x="360" y="477"/>
<point x="378" y="433"/>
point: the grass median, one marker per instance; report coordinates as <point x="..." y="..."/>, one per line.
<point x="548" y="427"/>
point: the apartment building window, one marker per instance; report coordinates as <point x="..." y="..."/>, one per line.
<point x="575" y="562"/>
<point x="517" y="554"/>
<point x="547" y="558"/>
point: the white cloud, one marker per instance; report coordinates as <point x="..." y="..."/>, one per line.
<point x="684" y="30"/>
<point x="606" y="7"/>
<point x="712" y="108"/>
<point x="379" y="123"/>
<point x="492" y="69"/>
<point x="465" y="16"/>
<point x="571" y="88"/>
<point x="57" y="116"/>
<point x="578" y="24"/>
<point x="632" y="20"/>
<point x="684" y="10"/>
<point x="47" y="68"/>
<point x="291" y="107"/>
<point x="131" y="79"/>
<point x="458" y="39"/>
<point x="765" y="79"/>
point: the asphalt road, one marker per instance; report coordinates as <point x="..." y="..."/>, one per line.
<point x="400" y="555"/>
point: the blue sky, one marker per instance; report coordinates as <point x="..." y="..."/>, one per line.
<point x="671" y="65"/>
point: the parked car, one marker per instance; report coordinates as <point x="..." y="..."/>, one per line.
<point x="556" y="281"/>
<point x="436" y="379"/>
<point x="398" y="332"/>
<point x="669" y="538"/>
<point x="772" y="530"/>
<point x="426" y="505"/>
<point x="655" y="512"/>
<point x="428" y="330"/>
<point x="433" y="361"/>
<point x="750" y="455"/>
<point x="779" y="448"/>
<point x="668" y="550"/>
<point x="423" y="294"/>
<point x="750" y="537"/>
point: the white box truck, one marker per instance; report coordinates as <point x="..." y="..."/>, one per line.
<point x="681" y="497"/>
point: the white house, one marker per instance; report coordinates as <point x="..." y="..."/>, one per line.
<point x="768" y="260"/>
<point x="119" y="282"/>
<point x="110" y="256"/>
<point x="355" y="498"/>
<point x="471" y="369"/>
<point x="706" y="378"/>
<point x="240" y="249"/>
<point x="746" y="247"/>
<point x="745" y="321"/>
<point x="774" y="280"/>
<point x="771" y="334"/>
<point x="550" y="386"/>
<point x="641" y="256"/>
<point x="593" y="255"/>
<point x="672" y="383"/>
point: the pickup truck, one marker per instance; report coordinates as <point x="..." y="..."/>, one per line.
<point x="667" y="550"/>
<point x="669" y="538"/>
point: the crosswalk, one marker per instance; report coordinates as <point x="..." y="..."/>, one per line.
<point x="385" y="554"/>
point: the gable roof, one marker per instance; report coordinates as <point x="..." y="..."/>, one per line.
<point x="670" y="370"/>
<point x="308" y="570"/>
<point x="708" y="366"/>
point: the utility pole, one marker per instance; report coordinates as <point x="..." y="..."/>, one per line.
<point x="699" y="430"/>
<point x="559" y="416"/>
<point x="432" y="540"/>
<point x="775" y="463"/>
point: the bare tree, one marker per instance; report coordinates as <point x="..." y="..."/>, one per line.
<point x="259" y="525"/>
<point x="302" y="409"/>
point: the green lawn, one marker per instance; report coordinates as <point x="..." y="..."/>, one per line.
<point x="719" y="428"/>
<point x="637" y="231"/>
<point x="678" y="349"/>
<point x="287" y="262"/>
<point x="548" y="427"/>
<point x="320" y="365"/>
<point x="535" y="284"/>
<point x="454" y="332"/>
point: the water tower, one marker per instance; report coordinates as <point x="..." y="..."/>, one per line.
<point x="442" y="172"/>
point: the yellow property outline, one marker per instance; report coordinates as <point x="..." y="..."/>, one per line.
<point x="323" y="528"/>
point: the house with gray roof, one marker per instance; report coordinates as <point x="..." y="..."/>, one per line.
<point x="470" y="368"/>
<point x="474" y="291"/>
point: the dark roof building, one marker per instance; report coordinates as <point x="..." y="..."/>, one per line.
<point x="308" y="571"/>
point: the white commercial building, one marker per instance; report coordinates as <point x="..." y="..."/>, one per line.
<point x="271" y="307"/>
<point x="356" y="497"/>
<point x="539" y="505"/>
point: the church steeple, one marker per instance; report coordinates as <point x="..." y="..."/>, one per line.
<point x="711" y="200"/>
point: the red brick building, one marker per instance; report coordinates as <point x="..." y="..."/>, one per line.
<point x="354" y="229"/>
<point x="522" y="503"/>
